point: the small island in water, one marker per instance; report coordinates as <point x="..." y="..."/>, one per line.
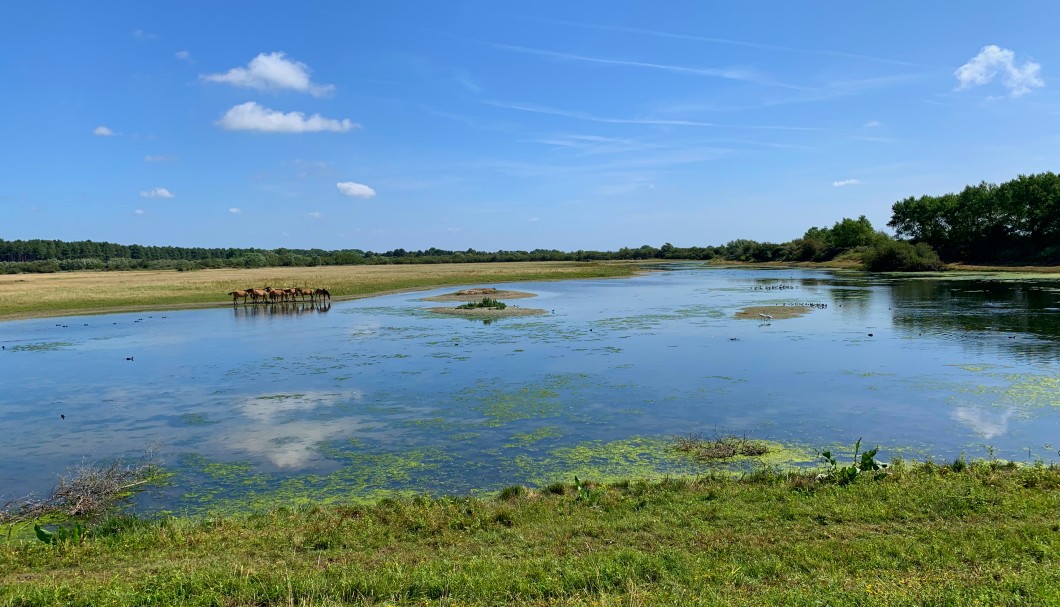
<point x="484" y="303"/>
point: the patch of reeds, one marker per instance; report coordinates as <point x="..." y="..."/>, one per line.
<point x="718" y="448"/>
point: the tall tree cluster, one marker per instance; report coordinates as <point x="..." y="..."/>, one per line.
<point x="1016" y="221"/>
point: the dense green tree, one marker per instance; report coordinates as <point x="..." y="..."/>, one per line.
<point x="1018" y="220"/>
<point x="850" y="233"/>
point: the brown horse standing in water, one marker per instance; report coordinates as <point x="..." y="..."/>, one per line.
<point x="258" y="294"/>
<point x="323" y="293"/>
<point x="303" y="292"/>
<point x="275" y="294"/>
<point x="237" y="294"/>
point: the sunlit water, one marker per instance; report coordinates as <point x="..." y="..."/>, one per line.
<point x="378" y="394"/>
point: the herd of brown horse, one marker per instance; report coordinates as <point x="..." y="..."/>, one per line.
<point x="271" y="295"/>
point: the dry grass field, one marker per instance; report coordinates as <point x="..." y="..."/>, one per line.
<point x="34" y="295"/>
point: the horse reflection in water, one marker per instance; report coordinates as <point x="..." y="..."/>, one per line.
<point x="290" y="308"/>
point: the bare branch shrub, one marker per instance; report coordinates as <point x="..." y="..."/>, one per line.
<point x="86" y="490"/>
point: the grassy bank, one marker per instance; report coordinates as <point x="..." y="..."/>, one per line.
<point x="979" y="535"/>
<point x="33" y="295"/>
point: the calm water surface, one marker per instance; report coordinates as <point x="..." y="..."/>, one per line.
<point x="281" y="403"/>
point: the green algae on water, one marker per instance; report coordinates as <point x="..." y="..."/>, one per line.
<point x="196" y="419"/>
<point x="47" y="346"/>
<point x="641" y="457"/>
<point x="527" y="439"/>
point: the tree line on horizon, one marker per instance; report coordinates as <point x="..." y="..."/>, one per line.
<point x="1015" y="222"/>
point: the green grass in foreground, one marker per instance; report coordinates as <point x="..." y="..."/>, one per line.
<point x="925" y="535"/>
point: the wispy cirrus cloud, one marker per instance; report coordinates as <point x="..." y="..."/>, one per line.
<point x="845" y="182"/>
<point x="235" y="210"/>
<point x="540" y="109"/>
<point x="354" y="189"/>
<point x="102" y="131"/>
<point x="824" y="91"/>
<point x="250" y="116"/>
<point x="272" y="71"/>
<point x="729" y="42"/>
<point x="156" y="193"/>
<point x="465" y="81"/>
<point x="593" y="144"/>
<point x="729" y="73"/>
<point x="183" y="55"/>
<point x="993" y="61"/>
<point x="315" y="214"/>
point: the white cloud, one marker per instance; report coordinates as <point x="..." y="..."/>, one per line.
<point x="156" y="193"/>
<point x="139" y="211"/>
<point x="235" y="210"/>
<point x="250" y="116"/>
<point x="150" y="158"/>
<point x="183" y="55"/>
<point x="845" y="182"/>
<point x="272" y="72"/>
<point x="354" y="189"/>
<point x="102" y="131"/>
<point x="143" y="36"/>
<point x="993" y="60"/>
<point x="873" y="124"/>
<point x="316" y="214"/>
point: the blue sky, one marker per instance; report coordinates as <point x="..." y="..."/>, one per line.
<point x="508" y="125"/>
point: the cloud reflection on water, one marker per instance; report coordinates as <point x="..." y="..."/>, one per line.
<point x="273" y="430"/>
<point x="984" y="423"/>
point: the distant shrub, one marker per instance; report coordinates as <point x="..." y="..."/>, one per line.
<point x="487" y="302"/>
<point x="900" y="256"/>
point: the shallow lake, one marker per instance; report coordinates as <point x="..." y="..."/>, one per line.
<point x="259" y="405"/>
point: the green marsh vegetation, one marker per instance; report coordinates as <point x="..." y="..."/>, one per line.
<point x="977" y="533"/>
<point x="486" y="302"/>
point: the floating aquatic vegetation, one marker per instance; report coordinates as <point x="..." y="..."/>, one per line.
<point x="645" y="457"/>
<point x="196" y="419"/>
<point x="46" y="346"/>
<point x="1033" y="390"/>
<point x="527" y="439"/>
<point x="977" y="368"/>
<point x="646" y="322"/>
<point x="525" y="403"/>
<point x="362" y="476"/>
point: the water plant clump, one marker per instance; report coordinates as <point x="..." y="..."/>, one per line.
<point x="486" y="302"/>
<point x="718" y="448"/>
